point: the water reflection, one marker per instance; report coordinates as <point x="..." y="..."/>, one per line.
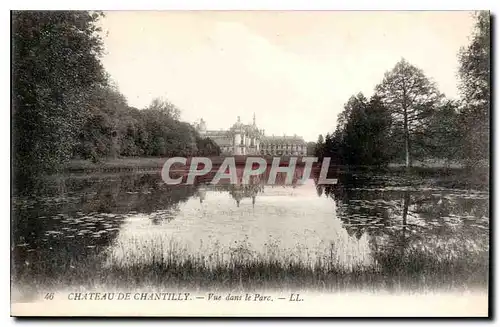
<point x="251" y="222"/>
<point x="237" y="191"/>
<point x="450" y="226"/>
<point x="125" y="220"/>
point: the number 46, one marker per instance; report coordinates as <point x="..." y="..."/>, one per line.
<point x="49" y="296"/>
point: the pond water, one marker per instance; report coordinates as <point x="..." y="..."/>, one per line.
<point x="122" y="221"/>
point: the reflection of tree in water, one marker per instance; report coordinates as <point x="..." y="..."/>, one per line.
<point x="359" y="216"/>
<point x="73" y="220"/>
<point x="362" y="207"/>
<point x="141" y="193"/>
<point x="138" y="193"/>
<point x="415" y="227"/>
<point x="319" y="188"/>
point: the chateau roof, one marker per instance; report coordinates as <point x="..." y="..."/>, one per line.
<point x="222" y="140"/>
<point x="249" y="128"/>
<point x="225" y="137"/>
<point x="216" y="133"/>
<point x="283" y="140"/>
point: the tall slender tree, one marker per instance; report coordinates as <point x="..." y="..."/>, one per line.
<point x="320" y="145"/>
<point x="411" y="98"/>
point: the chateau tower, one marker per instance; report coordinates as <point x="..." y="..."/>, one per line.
<point x="248" y="139"/>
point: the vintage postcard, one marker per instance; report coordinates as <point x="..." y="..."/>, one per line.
<point x="250" y="163"/>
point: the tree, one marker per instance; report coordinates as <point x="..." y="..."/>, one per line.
<point x="166" y="107"/>
<point x="55" y="69"/>
<point x="319" y="149"/>
<point x="103" y="130"/>
<point x="474" y="73"/>
<point x="352" y="137"/>
<point x="328" y="146"/>
<point x="65" y="105"/>
<point x="207" y="147"/>
<point x="378" y="123"/>
<point x="362" y="138"/>
<point x="411" y="98"/>
<point x="442" y="136"/>
<point x="311" y="148"/>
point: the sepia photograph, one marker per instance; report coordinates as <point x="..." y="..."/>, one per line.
<point x="250" y="163"/>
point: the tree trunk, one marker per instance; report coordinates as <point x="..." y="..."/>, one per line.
<point x="407" y="139"/>
<point x="114" y="145"/>
<point x="406" y="128"/>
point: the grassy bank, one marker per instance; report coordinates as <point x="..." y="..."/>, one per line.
<point x="128" y="163"/>
<point x="413" y="269"/>
<point x="137" y="163"/>
<point x="131" y="163"/>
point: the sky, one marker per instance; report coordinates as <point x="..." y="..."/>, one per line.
<point x="294" y="69"/>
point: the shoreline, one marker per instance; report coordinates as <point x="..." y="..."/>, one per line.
<point x="149" y="163"/>
<point x="449" y="174"/>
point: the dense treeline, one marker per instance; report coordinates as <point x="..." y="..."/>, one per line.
<point x="65" y="106"/>
<point x="408" y="118"/>
<point x="115" y="129"/>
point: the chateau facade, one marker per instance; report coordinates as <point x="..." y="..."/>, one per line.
<point x="247" y="139"/>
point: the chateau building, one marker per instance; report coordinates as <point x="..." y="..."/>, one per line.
<point x="247" y="139"/>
